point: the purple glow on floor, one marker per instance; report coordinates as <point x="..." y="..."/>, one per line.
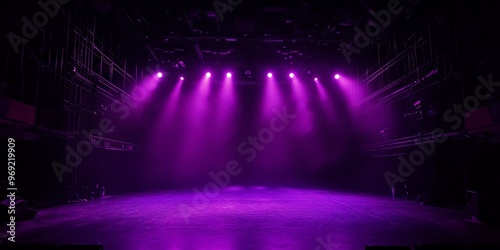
<point x="251" y="218"/>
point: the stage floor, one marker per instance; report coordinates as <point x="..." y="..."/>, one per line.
<point x="251" y="218"/>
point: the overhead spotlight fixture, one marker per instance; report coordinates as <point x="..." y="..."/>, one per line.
<point x="315" y="79"/>
<point x="159" y="74"/>
<point x="291" y="75"/>
<point x="228" y="74"/>
<point x="269" y="75"/>
<point x="181" y="78"/>
<point x="208" y="75"/>
<point x="337" y="76"/>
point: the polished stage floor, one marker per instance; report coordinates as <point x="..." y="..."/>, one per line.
<point x="251" y="218"/>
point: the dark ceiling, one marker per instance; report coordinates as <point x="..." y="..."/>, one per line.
<point x="297" y="33"/>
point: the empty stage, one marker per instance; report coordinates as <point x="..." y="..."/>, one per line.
<point x="251" y="218"/>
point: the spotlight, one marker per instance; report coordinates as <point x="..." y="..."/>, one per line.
<point x="337" y="76"/>
<point x="269" y="75"/>
<point x="181" y="78"/>
<point x="208" y="75"/>
<point x="315" y="79"/>
<point x="291" y="75"/>
<point x="159" y="74"/>
<point x="228" y="74"/>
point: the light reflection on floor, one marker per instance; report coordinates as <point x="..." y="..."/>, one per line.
<point x="251" y="218"/>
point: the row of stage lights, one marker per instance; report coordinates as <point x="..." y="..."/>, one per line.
<point x="229" y="75"/>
